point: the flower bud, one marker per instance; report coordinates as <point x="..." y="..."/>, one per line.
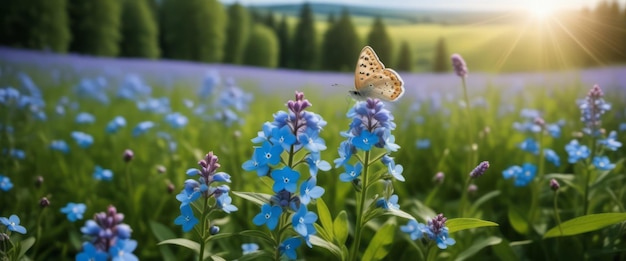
<point x="554" y="185"/>
<point x="128" y="155"/>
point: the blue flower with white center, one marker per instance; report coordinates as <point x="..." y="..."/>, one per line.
<point x="423" y="144"/>
<point x="576" y="151"/>
<point x="309" y="191"/>
<point x="123" y="250"/>
<point x="269" y="216"/>
<point x="269" y="154"/>
<point x="388" y="204"/>
<point x="83" y="140"/>
<point x="176" y="120"/>
<point x="13" y="224"/>
<point x="603" y="163"/>
<point x="114" y="125"/>
<point x="315" y="163"/>
<point x="142" y="128"/>
<point x="74" y="211"/>
<point x="552" y="157"/>
<point x="311" y="141"/>
<point x="610" y="143"/>
<point x="511" y="172"/>
<point x="60" y="145"/>
<point x="390" y="140"/>
<point x="554" y="130"/>
<point x="283" y="136"/>
<point x="285" y="178"/>
<point x="530" y="145"/>
<point x="102" y="174"/>
<point x="345" y="152"/>
<point x="256" y="163"/>
<point x="415" y="230"/>
<point x="224" y="203"/>
<point x="303" y="221"/>
<point x="186" y="218"/>
<point x="85" y="118"/>
<point x="396" y="171"/>
<point x="265" y="134"/>
<point x="365" y="140"/>
<point x="522" y="175"/>
<point x="248" y="248"/>
<point x="90" y="253"/>
<point x="352" y="172"/>
<point x="5" y="183"/>
<point x="289" y="246"/>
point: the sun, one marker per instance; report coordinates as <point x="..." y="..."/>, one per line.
<point x="540" y="10"/>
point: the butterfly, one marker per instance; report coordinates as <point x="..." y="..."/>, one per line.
<point x="373" y="80"/>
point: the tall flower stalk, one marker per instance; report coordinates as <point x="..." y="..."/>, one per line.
<point x="370" y="129"/>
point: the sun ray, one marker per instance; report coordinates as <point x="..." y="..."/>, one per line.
<point x="573" y="37"/>
<point x="506" y="55"/>
<point x="560" y="56"/>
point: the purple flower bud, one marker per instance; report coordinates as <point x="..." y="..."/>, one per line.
<point x="214" y="230"/>
<point x="459" y="65"/>
<point x="439" y="177"/>
<point x="44" y="202"/>
<point x="437" y="223"/>
<point x="539" y="121"/>
<point x="170" y="188"/>
<point x="38" y="181"/>
<point x="554" y="184"/>
<point x="161" y="169"/>
<point x="128" y="155"/>
<point x="479" y="170"/>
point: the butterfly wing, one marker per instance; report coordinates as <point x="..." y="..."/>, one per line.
<point x="372" y="79"/>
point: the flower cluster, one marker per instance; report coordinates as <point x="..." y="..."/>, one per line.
<point x="206" y="188"/>
<point x="109" y="238"/>
<point x="293" y="132"/>
<point x="435" y="230"/>
<point x="522" y="175"/>
<point x="460" y="68"/>
<point x="5" y="183"/>
<point x="592" y="108"/>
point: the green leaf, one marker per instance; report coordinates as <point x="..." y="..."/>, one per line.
<point x="217" y="258"/>
<point x="340" y="227"/>
<point x="246" y="233"/>
<point x="518" y="222"/>
<point x="162" y="232"/>
<point x="477" y="245"/>
<point x="458" y="224"/>
<point x="194" y="246"/>
<point x="398" y="213"/>
<point x="25" y="245"/>
<point x="585" y="224"/>
<point x="322" y="233"/>
<point x="325" y="218"/>
<point x="381" y="243"/>
<point x="317" y="241"/>
<point x="257" y="198"/>
<point x="257" y="255"/>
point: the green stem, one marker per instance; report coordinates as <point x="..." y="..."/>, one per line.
<point x="536" y="184"/>
<point x="38" y="234"/>
<point x="470" y="127"/>
<point x="203" y="229"/>
<point x="129" y="188"/>
<point x="588" y="177"/>
<point x="360" y="202"/>
<point x="464" y="196"/>
<point x="556" y="211"/>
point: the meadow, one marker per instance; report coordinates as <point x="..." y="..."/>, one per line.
<point x="174" y="113"/>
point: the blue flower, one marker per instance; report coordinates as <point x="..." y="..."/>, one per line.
<point x="15" y="153"/>
<point x="224" y="203"/>
<point x="186" y="218"/>
<point x="345" y="152"/>
<point x="133" y="87"/>
<point x="611" y="143"/>
<point x="269" y="215"/>
<point x="74" y="211"/>
<point x="123" y="250"/>
<point x="423" y="144"/>
<point x="256" y="163"/>
<point x="248" y="248"/>
<point x="390" y="204"/>
<point x="83" y="140"/>
<point x="285" y="178"/>
<point x="576" y="152"/>
<point x="530" y="145"/>
<point x="551" y="156"/>
<point x="554" y="130"/>
<point x="622" y="127"/>
<point x="289" y="246"/>
<point x="443" y="239"/>
<point x="114" y="125"/>
<point x="60" y="145"/>
<point x="85" y="118"/>
<point x="511" y="172"/>
<point x="191" y="192"/>
<point x="13" y="224"/>
<point x="415" y="230"/>
<point x="102" y="174"/>
<point x="265" y="134"/>
<point x="592" y="108"/>
<point x="176" y="120"/>
<point x="303" y="221"/>
<point x="603" y="163"/>
<point x="365" y="140"/>
<point x="142" y="127"/>
<point x="390" y="140"/>
<point x="270" y="154"/>
<point x="210" y="81"/>
<point x="352" y="172"/>
<point x="90" y="253"/>
<point x="395" y="170"/>
<point x="309" y="191"/>
<point x="311" y="141"/>
<point x="315" y="163"/>
<point x="283" y="137"/>
<point x="522" y="175"/>
<point x="5" y="183"/>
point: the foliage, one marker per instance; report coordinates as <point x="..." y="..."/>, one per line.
<point x="262" y="48"/>
<point x="284" y="42"/>
<point x="379" y="39"/>
<point x="95" y="27"/>
<point x="441" y="59"/>
<point x="139" y="30"/>
<point x="305" y="41"/>
<point x="405" y="58"/>
<point x="237" y="33"/>
<point x="341" y="43"/>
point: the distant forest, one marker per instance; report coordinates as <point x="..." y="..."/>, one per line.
<point x="208" y="31"/>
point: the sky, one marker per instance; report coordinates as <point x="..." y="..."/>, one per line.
<point x="474" y="5"/>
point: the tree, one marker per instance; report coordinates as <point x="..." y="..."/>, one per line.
<point x="270" y="21"/>
<point x="262" y="48"/>
<point x="346" y="44"/>
<point x="304" y="42"/>
<point x="282" y="32"/>
<point x="95" y="27"/>
<point x="237" y="33"/>
<point x="194" y="30"/>
<point x="441" y="60"/>
<point x="405" y="58"/>
<point x="139" y="30"/>
<point x="329" y="45"/>
<point x="380" y="41"/>
<point x="35" y="24"/>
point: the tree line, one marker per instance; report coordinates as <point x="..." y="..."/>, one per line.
<point x="207" y="31"/>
